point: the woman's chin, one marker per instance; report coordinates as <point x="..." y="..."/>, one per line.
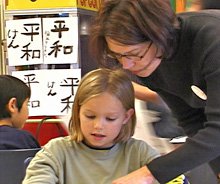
<point x="142" y="73"/>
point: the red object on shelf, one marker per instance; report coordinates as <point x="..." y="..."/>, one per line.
<point x="47" y="130"/>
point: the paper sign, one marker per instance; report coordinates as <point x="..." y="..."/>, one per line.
<point x="52" y="91"/>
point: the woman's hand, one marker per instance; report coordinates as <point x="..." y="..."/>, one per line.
<point x="140" y="176"/>
<point x="146" y="94"/>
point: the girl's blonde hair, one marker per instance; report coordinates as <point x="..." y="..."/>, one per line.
<point x="96" y="82"/>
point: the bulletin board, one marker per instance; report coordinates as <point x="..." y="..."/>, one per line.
<point x="46" y="47"/>
<point x="45" y="41"/>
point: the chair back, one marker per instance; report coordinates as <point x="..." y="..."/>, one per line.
<point x="12" y="166"/>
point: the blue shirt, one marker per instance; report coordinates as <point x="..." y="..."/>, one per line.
<point x="13" y="138"/>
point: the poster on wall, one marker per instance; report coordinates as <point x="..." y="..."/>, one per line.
<point x="60" y="40"/>
<point x="52" y="91"/>
<point x="42" y="41"/>
<point x="24" y="42"/>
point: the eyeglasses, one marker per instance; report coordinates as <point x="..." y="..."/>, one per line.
<point x="118" y="56"/>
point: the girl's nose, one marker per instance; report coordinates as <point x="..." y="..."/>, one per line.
<point x="98" y="124"/>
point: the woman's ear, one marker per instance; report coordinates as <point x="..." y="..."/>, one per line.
<point x="128" y="115"/>
<point x="12" y="105"/>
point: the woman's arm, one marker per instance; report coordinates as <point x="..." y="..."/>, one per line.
<point x="141" y="175"/>
<point x="145" y="94"/>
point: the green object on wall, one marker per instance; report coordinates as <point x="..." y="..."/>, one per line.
<point x="188" y="4"/>
<point x="173" y="4"/>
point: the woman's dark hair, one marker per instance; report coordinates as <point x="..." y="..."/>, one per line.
<point x="12" y="87"/>
<point x="131" y="22"/>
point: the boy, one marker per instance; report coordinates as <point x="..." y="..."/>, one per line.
<point x="14" y="96"/>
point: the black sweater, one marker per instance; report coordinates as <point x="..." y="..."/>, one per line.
<point x="13" y="138"/>
<point x="196" y="61"/>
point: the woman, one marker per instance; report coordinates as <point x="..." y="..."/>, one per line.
<point x="177" y="56"/>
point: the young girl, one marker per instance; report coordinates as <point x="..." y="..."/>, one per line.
<point x="99" y="148"/>
<point x="14" y="96"/>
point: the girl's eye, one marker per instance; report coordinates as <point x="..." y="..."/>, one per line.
<point x="90" y="117"/>
<point x="110" y="119"/>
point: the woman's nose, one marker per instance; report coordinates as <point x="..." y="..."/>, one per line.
<point x="126" y="63"/>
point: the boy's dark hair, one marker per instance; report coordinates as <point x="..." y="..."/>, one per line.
<point x="12" y="87"/>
